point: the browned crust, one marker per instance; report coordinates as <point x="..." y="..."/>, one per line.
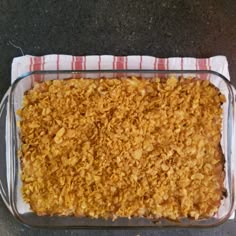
<point x="170" y="164"/>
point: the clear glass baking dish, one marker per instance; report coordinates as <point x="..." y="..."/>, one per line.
<point x="10" y="183"/>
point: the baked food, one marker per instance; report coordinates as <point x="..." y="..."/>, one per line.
<point x="122" y="148"/>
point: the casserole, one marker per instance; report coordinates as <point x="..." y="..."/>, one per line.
<point x="10" y="183"/>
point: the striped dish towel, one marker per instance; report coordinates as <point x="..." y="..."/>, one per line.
<point x="21" y="65"/>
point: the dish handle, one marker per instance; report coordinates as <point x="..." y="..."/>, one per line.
<point x="233" y="148"/>
<point x="4" y="163"/>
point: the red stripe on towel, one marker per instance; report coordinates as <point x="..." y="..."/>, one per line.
<point x="202" y="65"/>
<point x="36" y="67"/>
<point x="78" y="63"/>
<point x="161" y="64"/>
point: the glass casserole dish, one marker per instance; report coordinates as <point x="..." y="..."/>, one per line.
<point x="10" y="182"/>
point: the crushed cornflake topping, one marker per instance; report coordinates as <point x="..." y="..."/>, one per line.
<point x="122" y="148"/>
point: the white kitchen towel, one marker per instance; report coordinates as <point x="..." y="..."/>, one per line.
<point x="28" y="63"/>
<point x="21" y="65"/>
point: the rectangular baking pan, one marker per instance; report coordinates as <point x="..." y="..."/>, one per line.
<point x="10" y="183"/>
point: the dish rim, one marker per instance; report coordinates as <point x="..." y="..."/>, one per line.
<point x="12" y="141"/>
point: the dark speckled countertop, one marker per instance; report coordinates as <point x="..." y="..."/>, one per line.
<point x="168" y="28"/>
